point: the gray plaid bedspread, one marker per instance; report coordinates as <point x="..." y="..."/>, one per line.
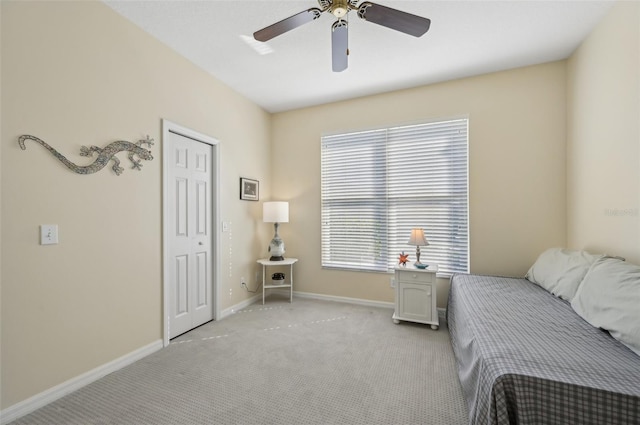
<point x="525" y="357"/>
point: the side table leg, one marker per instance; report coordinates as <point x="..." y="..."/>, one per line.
<point x="263" y="271"/>
<point x="291" y="282"/>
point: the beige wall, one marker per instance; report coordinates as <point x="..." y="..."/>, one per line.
<point x="76" y="73"/>
<point x="603" y="137"/>
<point x="516" y="170"/>
<point x="0" y="217"/>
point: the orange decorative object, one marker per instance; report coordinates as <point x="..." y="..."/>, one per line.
<point x="403" y="259"/>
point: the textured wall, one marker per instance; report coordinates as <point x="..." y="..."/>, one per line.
<point x="77" y="73"/>
<point x="516" y="170"/>
<point x="603" y="143"/>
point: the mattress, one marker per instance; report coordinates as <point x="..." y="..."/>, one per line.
<point x="525" y="357"/>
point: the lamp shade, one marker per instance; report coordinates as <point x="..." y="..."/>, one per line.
<point x="417" y="238"/>
<point x="275" y="212"/>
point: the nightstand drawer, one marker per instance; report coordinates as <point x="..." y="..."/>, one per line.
<point x="415" y="277"/>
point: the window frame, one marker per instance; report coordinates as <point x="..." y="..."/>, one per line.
<point x="458" y="150"/>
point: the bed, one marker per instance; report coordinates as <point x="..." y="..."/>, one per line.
<point x="525" y="357"/>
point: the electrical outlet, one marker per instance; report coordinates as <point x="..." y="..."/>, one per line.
<point x="392" y="282"/>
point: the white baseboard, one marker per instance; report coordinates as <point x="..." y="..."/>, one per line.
<point x="342" y="299"/>
<point x="285" y="293"/>
<point x="52" y="394"/>
<point x="441" y="311"/>
<point x="234" y="308"/>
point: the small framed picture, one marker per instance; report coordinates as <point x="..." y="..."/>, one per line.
<point x="249" y="189"/>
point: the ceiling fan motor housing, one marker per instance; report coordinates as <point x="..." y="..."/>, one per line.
<point x="339" y="8"/>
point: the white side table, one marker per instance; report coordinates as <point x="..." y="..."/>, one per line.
<point x="286" y="262"/>
<point x="416" y="295"/>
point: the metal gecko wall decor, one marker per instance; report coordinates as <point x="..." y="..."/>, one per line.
<point x="105" y="154"/>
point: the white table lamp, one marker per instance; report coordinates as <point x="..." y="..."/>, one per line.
<point x="417" y="238"/>
<point x="276" y="212"/>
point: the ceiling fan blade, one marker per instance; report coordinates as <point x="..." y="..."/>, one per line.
<point x="267" y="33"/>
<point x="394" y="19"/>
<point x="339" y="45"/>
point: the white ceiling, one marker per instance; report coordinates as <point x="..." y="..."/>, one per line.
<point x="466" y="38"/>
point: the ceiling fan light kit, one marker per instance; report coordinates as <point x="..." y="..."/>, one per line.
<point x="370" y="12"/>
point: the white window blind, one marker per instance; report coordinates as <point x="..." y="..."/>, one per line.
<point x="377" y="185"/>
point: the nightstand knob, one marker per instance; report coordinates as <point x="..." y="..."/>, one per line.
<point x="415" y="276"/>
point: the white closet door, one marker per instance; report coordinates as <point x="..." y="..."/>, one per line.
<point x="190" y="238"/>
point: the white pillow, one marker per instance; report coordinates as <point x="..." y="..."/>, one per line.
<point x="609" y="298"/>
<point x="560" y="271"/>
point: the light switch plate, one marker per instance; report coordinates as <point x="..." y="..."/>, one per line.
<point x="48" y="234"/>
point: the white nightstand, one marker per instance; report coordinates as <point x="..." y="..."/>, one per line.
<point x="416" y="295"/>
<point x="286" y="262"/>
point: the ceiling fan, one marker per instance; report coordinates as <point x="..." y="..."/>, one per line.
<point x="371" y="12"/>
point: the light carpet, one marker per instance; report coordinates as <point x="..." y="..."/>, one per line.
<point x="309" y="362"/>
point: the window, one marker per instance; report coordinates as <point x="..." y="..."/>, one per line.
<point x="377" y="185"/>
